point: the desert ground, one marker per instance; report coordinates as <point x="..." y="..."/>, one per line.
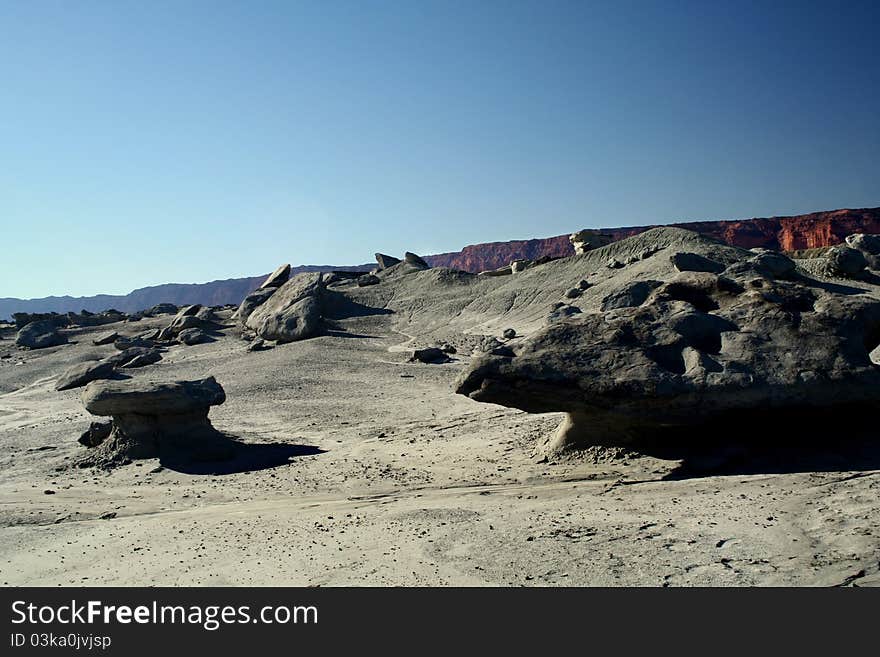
<point x="360" y="467"/>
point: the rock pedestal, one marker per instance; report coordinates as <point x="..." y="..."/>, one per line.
<point x="159" y="419"/>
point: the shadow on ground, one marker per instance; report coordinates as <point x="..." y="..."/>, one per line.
<point x="241" y="457"/>
<point x="844" y="440"/>
<point x="338" y="306"/>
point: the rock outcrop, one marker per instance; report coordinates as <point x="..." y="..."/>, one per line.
<point x="158" y="419"/>
<point x="693" y="348"/>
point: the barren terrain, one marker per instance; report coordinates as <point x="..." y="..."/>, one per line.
<point x="365" y="469"/>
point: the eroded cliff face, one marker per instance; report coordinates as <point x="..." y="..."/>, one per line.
<point x="807" y="231"/>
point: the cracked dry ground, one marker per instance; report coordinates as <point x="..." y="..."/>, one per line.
<point x="393" y="479"/>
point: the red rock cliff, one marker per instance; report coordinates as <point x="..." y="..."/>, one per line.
<point x="804" y="231"/>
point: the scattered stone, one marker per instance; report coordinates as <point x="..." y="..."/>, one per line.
<point x="105" y="338"/>
<point x="107" y="516"/>
<point x="695" y="262"/>
<point x="614" y="263"/>
<point x="772" y="263"/>
<point x="562" y="311"/>
<point x="447" y="348"/>
<point x="81" y="374"/>
<point x="501" y="271"/>
<point x="277" y="278"/>
<point x="143" y="360"/>
<point x="415" y="261"/>
<point x="193" y="336"/>
<point x="573" y="293"/>
<point x="630" y="295"/>
<point x="368" y="279"/>
<point x="259" y="345"/>
<point x="386" y="261"/>
<point x="509" y="334"/>
<point x="146" y="356"/>
<point x="48" y="491"/>
<point x="585" y="285"/>
<point x="39" y="335"/>
<point x="429" y="355"/>
<point x="520" y="265"/>
<point x="96" y="434"/>
<point x="206" y="315"/>
<point x="162" y="309"/>
<point x="124" y="342"/>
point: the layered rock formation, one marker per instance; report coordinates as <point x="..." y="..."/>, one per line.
<point x="716" y="336"/>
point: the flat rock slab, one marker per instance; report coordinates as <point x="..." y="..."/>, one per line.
<point x="80" y="375"/>
<point x="150" y="397"/>
<point x="277" y="278"/>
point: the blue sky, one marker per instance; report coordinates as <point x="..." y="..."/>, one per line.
<point x="154" y="142"/>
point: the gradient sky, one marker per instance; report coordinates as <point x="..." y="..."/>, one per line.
<point x="154" y="142"/>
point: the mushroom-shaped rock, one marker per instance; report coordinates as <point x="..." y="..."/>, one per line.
<point x="159" y="419"/>
<point x="587" y="240"/>
<point x="292" y="313"/>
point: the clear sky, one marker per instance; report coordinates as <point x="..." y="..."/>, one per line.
<point x="153" y="141"/>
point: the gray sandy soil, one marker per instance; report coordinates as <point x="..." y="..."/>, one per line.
<point x="365" y="469"/>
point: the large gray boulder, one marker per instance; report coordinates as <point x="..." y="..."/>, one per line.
<point x="193" y="336"/>
<point x="158" y="419"/>
<point x="277" y="278"/>
<point x="292" y="313"/>
<point x="134" y="357"/>
<point x="39" y="335"/>
<point x="737" y="349"/>
<point x="844" y="261"/>
<point x="83" y="373"/>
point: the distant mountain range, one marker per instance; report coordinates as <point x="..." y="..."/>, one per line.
<point x="781" y="233"/>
